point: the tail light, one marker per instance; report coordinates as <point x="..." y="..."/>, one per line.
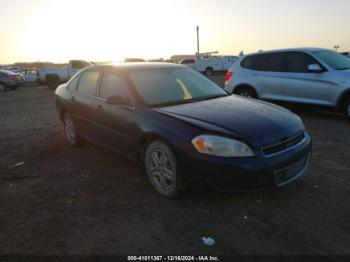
<point x="229" y="75"/>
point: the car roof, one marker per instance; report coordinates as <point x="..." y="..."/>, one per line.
<point x="8" y="72"/>
<point x="137" y="66"/>
<point x="305" y="49"/>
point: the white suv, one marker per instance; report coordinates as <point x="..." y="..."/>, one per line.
<point x="305" y="75"/>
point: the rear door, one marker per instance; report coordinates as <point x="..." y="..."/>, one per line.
<point x="302" y="85"/>
<point x="114" y="122"/>
<point x="81" y="102"/>
<point x="268" y="75"/>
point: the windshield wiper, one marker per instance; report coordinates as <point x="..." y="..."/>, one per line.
<point x="186" y="101"/>
<point x="344" y="68"/>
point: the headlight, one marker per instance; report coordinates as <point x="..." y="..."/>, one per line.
<point x="221" y="146"/>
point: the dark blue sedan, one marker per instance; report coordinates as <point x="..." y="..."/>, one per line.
<point x="186" y="130"/>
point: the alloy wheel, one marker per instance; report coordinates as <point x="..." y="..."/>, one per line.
<point x="162" y="171"/>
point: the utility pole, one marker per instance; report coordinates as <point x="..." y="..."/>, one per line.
<point x="197" y="40"/>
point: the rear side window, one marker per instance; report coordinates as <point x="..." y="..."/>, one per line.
<point x="271" y="62"/>
<point x="250" y="62"/>
<point x="265" y="62"/>
<point x="112" y="85"/>
<point x="73" y="83"/>
<point x="298" y="62"/>
<point x="88" y="82"/>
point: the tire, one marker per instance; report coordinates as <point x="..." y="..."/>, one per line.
<point x="246" y="92"/>
<point x="347" y="108"/>
<point x="52" y="81"/>
<point x="163" y="170"/>
<point x="70" y="131"/>
<point x="209" y="71"/>
<point x="2" y="87"/>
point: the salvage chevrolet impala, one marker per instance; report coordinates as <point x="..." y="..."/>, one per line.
<point x="184" y="128"/>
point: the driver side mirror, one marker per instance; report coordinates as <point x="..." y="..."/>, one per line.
<point x="118" y="100"/>
<point x="315" y="68"/>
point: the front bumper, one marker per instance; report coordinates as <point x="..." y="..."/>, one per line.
<point x="247" y="174"/>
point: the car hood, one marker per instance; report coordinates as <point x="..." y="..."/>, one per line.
<point x="256" y="122"/>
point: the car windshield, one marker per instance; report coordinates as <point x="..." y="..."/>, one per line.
<point x="171" y="86"/>
<point x="333" y="59"/>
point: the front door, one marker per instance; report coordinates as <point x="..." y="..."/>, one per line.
<point x="114" y="122"/>
<point x="303" y="86"/>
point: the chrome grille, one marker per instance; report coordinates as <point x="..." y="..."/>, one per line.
<point x="284" y="145"/>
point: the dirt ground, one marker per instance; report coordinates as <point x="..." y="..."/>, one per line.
<point x="91" y="201"/>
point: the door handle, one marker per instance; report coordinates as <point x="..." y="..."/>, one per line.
<point x="99" y="107"/>
<point x="73" y="99"/>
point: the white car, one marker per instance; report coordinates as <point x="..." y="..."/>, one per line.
<point x="305" y="75"/>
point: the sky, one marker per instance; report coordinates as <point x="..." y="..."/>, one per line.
<point x="111" y="30"/>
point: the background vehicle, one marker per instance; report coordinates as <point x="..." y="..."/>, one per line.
<point x="189" y="62"/>
<point x="185" y="128"/>
<point x="9" y="79"/>
<point x="134" y="60"/>
<point x="53" y="76"/>
<point x="208" y="64"/>
<point x="30" y="75"/>
<point x="306" y="75"/>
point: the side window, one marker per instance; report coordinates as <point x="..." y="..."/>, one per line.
<point x="250" y="62"/>
<point x="298" y="62"/>
<point x="112" y="85"/>
<point x="88" y="82"/>
<point x="72" y="85"/>
<point x="271" y="62"/>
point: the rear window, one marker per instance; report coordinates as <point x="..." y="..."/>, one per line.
<point x="250" y="62"/>
<point x="265" y="62"/>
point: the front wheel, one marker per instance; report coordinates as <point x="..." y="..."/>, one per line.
<point x="70" y="131"/>
<point x="163" y="170"/>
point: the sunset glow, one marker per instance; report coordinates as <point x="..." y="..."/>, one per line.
<point x="51" y="30"/>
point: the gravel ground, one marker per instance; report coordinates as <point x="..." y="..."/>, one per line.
<point x="59" y="200"/>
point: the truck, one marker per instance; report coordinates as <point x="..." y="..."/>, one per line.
<point x="207" y="63"/>
<point x="53" y="76"/>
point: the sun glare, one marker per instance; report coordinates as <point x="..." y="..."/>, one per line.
<point x="107" y="30"/>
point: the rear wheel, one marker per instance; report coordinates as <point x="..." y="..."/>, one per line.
<point x="52" y="81"/>
<point x="209" y="71"/>
<point x="246" y="92"/>
<point x="347" y="108"/>
<point x="2" y="87"/>
<point x="70" y="131"/>
<point x="163" y="170"/>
